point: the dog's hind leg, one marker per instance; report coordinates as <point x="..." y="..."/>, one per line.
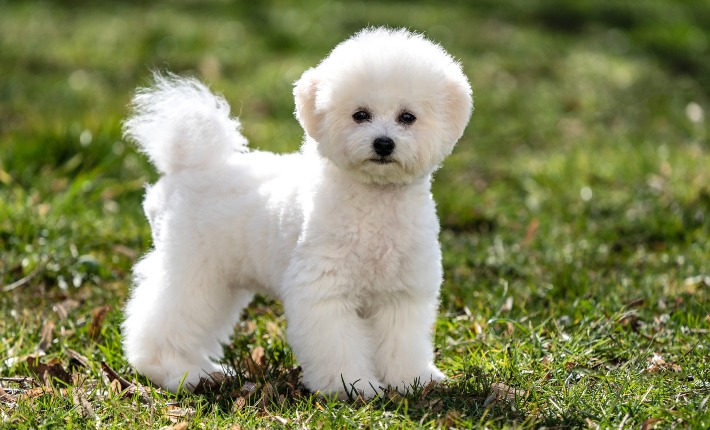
<point x="177" y="320"/>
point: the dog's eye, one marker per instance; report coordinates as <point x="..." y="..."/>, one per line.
<point x="361" y="116"/>
<point x="406" y="118"/>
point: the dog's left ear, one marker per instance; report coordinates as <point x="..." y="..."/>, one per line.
<point x="304" y="92"/>
<point x="459" y="102"/>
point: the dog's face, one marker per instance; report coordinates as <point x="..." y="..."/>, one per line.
<point x="385" y="105"/>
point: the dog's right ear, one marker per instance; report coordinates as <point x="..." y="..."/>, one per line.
<point x="304" y="92"/>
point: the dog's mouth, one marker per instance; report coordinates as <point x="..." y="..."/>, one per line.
<point x="381" y="160"/>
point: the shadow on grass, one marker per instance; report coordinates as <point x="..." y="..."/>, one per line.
<point x="468" y="398"/>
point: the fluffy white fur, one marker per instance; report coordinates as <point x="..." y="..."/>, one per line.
<point x="346" y="238"/>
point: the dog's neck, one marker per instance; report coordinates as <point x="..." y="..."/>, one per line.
<point x="354" y="182"/>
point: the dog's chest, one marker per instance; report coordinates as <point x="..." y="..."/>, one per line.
<point x="380" y="236"/>
<point x="376" y="241"/>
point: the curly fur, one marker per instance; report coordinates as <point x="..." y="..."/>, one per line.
<point x="345" y="237"/>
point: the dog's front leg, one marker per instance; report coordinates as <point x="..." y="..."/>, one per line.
<point x="402" y="327"/>
<point x="330" y="341"/>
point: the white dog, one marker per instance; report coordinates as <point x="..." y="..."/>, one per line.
<point x="344" y="232"/>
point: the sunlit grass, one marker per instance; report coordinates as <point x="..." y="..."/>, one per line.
<point x="575" y="210"/>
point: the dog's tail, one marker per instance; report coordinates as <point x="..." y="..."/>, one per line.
<point x="181" y="125"/>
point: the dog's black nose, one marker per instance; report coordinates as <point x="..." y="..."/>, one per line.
<point x="383" y="146"/>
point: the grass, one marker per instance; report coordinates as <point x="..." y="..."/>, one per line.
<point x="575" y="211"/>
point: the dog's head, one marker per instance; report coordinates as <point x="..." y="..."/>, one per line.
<point x="386" y="105"/>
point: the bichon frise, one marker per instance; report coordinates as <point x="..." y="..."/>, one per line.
<point x="344" y="232"/>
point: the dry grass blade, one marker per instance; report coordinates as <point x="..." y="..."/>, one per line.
<point x="47" y="372"/>
<point x="98" y="316"/>
<point x="657" y="364"/>
<point x="123" y="387"/>
<point x="39" y="391"/>
<point x="504" y="390"/>
<point x="81" y="402"/>
<point x="46" y="336"/>
<point x="177" y="414"/>
<point x="501" y="391"/>
<point x="267" y="395"/>
<point x="428" y="388"/>
<point x="281" y="420"/>
<point x="239" y="404"/>
<point x="64" y="308"/>
<point x="25" y="280"/>
<point x="77" y="358"/>
<point x="6" y="397"/>
<point x="249" y="388"/>
<point x="256" y="362"/>
<point x="211" y="383"/>
<point x="452" y="419"/>
<point x="26" y="381"/>
<point x="650" y="423"/>
<point x="113" y="376"/>
<point x="531" y="232"/>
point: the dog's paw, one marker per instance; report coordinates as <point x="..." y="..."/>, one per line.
<point x="427" y="376"/>
<point x="432" y="374"/>
<point x="364" y="389"/>
<point x="180" y="376"/>
<point x="420" y="378"/>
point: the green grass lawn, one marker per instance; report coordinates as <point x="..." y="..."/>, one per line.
<point x="575" y="211"/>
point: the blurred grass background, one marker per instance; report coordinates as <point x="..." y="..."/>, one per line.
<point x="580" y="187"/>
